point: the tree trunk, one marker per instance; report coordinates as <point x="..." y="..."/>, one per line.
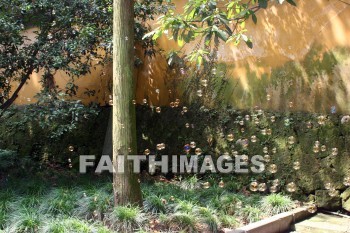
<point x="126" y="185"/>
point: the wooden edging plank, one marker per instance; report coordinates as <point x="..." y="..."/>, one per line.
<point x="276" y="224"/>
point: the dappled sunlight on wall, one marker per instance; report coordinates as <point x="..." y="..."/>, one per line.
<point x="299" y="58"/>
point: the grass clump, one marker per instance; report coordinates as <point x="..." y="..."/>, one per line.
<point x="190" y="183"/>
<point x="94" y="204"/>
<point x="183" y="221"/>
<point x="184" y="206"/>
<point x="3" y="218"/>
<point x="67" y="225"/>
<point x="276" y="203"/>
<point x="155" y="204"/>
<point x="228" y="221"/>
<point x="126" y="218"/>
<point x="25" y="221"/>
<point x="229" y="203"/>
<point x="60" y="201"/>
<point x="250" y="214"/>
<point x="209" y="217"/>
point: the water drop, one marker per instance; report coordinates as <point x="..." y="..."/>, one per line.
<point x="206" y="185"/>
<point x="321" y="120"/>
<point x="71" y="148"/>
<point x="312" y="208"/>
<point x="267" y="158"/>
<point x="334" y="151"/>
<point x="291" y="187"/>
<point x="272" y="168"/>
<point x="296" y="165"/>
<point x="273" y="119"/>
<point x="268" y="97"/>
<point x="333" y="192"/>
<point x="273" y="189"/>
<point x="291" y="140"/>
<point x="187" y="148"/>
<point x="262" y="187"/>
<point x="254" y="186"/>
<point x="193" y="144"/>
<point x="253" y="138"/>
<point x="230" y="137"/>
<point x="266" y="150"/>
<point x="204" y="82"/>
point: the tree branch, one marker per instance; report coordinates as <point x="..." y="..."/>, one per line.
<point x="24" y="79"/>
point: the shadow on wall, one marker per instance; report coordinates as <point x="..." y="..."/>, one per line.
<point x="314" y="84"/>
<point x="299" y="55"/>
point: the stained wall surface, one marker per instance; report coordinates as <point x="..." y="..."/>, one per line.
<point x="300" y="58"/>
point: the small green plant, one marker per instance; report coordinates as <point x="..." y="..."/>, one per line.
<point x="276" y="203"/>
<point x="155" y="204"/>
<point x="102" y="229"/>
<point x="190" y="183"/>
<point x="5" y="200"/>
<point x="208" y="216"/>
<point x="233" y="186"/>
<point x="126" y="218"/>
<point x="25" y="221"/>
<point x="94" y="204"/>
<point x="228" y="221"/>
<point x="67" y="225"/>
<point x="7" y="159"/>
<point x="29" y="202"/>
<point x="229" y="203"/>
<point x="3" y="218"/>
<point x="184" y="221"/>
<point x="184" y="206"/>
<point x="250" y="213"/>
<point x="60" y="201"/>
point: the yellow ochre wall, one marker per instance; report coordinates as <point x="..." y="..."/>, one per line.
<point x="300" y="55"/>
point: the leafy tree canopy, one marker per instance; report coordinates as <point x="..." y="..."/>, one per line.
<point x="69" y="36"/>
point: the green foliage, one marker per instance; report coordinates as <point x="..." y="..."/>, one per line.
<point x="126" y="218"/>
<point x="68" y="225"/>
<point x="276" y="203"/>
<point x="184" y="221"/>
<point x="228" y="203"/>
<point x="209" y="217"/>
<point x="60" y="201"/>
<point x="58" y="115"/>
<point x="7" y="159"/>
<point x="94" y="204"/>
<point x="250" y="213"/>
<point x="184" y="206"/>
<point x="228" y="221"/>
<point x="190" y="183"/>
<point x="40" y="135"/>
<point x="211" y="20"/>
<point x="70" y="36"/>
<point x="25" y="220"/>
<point x="3" y="218"/>
<point x="155" y="204"/>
